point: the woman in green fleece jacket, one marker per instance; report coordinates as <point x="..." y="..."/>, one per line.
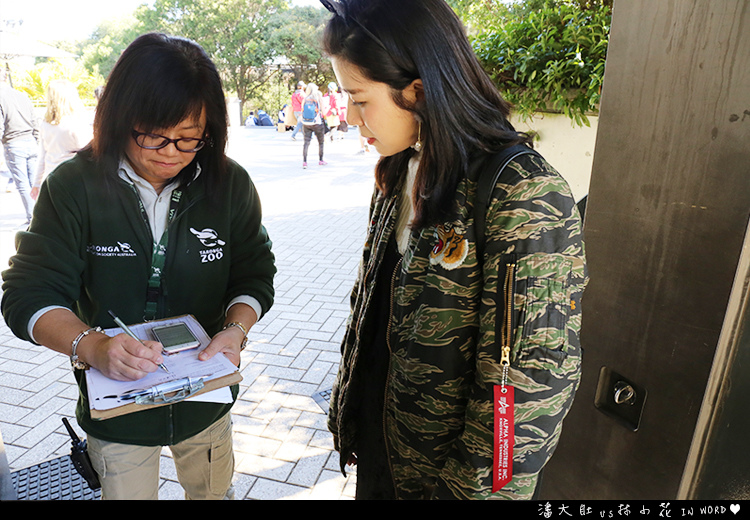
<point x="151" y="220"/>
<point x="461" y="356"/>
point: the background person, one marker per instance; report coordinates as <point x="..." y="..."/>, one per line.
<point x="64" y="130"/>
<point x="440" y="337"/>
<point x="331" y="108"/>
<point x="363" y="146"/>
<point x="6" y="179"/>
<point x="19" y="133"/>
<point x="297" y="98"/>
<point x="341" y="107"/>
<point x="122" y="227"/>
<point x="312" y="122"/>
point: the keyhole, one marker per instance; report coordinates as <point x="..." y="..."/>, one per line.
<point x="624" y="393"/>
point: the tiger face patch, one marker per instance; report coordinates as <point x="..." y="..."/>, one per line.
<point x="451" y="248"/>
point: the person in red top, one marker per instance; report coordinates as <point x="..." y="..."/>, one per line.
<point x="341" y="106"/>
<point x="331" y="101"/>
<point x="297" y="98"/>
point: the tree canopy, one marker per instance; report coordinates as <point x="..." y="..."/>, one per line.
<point x="256" y="44"/>
<point x="542" y="54"/>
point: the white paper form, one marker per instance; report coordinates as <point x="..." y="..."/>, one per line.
<point x="103" y="392"/>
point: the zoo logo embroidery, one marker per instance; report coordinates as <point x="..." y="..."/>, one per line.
<point x="209" y="238"/>
<point x="451" y="248"/>
<point x="122" y="249"/>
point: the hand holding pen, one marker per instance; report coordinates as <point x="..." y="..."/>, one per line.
<point x="129" y="332"/>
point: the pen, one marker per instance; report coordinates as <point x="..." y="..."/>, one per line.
<point x="129" y="332"/>
<point x="191" y="383"/>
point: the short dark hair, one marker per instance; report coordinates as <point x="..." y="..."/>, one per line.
<point x="157" y="82"/>
<point x="398" y="41"/>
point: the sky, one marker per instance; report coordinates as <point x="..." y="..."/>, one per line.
<point x="52" y="20"/>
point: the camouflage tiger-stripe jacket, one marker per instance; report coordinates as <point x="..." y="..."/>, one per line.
<point x="449" y="314"/>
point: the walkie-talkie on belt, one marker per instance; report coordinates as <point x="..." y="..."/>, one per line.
<point x="80" y="458"/>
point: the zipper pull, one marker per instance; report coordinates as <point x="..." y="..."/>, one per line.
<point x="505" y="362"/>
<point x="505" y="356"/>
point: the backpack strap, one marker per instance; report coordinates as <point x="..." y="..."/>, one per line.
<point x="489" y="174"/>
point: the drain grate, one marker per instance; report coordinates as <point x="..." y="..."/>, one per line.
<point x="54" y="479"/>
<point x="323" y="398"/>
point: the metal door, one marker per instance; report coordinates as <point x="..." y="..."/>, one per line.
<point x="666" y="217"/>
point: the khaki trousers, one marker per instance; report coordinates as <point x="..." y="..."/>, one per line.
<point x="204" y="463"/>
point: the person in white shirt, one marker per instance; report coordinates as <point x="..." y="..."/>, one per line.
<point x="64" y="131"/>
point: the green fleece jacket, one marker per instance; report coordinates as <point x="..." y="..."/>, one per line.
<point x="89" y="249"/>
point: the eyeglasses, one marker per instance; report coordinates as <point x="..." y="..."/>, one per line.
<point x="157" y="142"/>
<point x="337" y="8"/>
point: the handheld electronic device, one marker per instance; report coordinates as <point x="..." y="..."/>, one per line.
<point x="80" y="458"/>
<point x="175" y="338"/>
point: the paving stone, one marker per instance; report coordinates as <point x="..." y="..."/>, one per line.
<point x="263" y="467"/>
<point x="292" y="374"/>
<point x="310" y="464"/>
<point x="265" y="489"/>
<point x="322" y="439"/>
<point x="330" y="486"/>
<point x="273" y="359"/>
<point x="14" y="395"/>
<point x="317" y="372"/>
<point x="242" y="484"/>
<point x="256" y="444"/>
<point x="39" y="414"/>
<point x="281" y="423"/>
<point x="293" y="388"/>
<point x="247" y="424"/>
<point x="40" y="432"/>
<point x="315" y="335"/>
<point x="305" y="359"/>
<point x="169" y="490"/>
<point x="294" y="445"/>
<point x="11" y="431"/>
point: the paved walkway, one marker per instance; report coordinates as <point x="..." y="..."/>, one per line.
<point x="316" y="218"/>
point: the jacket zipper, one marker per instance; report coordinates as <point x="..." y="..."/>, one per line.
<point x="507" y="331"/>
<point x="365" y="275"/>
<point x="388" y="373"/>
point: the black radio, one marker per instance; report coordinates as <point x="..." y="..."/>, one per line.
<point x="81" y="460"/>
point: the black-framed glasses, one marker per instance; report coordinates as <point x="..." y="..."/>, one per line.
<point x="337" y="8"/>
<point x="157" y="142"/>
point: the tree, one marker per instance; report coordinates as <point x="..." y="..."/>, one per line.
<point x="479" y="14"/>
<point x="234" y="33"/>
<point x="35" y="80"/>
<point x="295" y="42"/>
<point x="295" y="37"/>
<point x="548" y="55"/>
<point x="100" y="51"/>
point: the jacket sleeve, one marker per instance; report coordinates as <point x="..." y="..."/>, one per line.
<point x="46" y="269"/>
<point x="534" y="275"/>
<point x="253" y="263"/>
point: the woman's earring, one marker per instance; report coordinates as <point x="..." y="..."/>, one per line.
<point x="418" y="145"/>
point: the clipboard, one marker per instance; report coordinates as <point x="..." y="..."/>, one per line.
<point x="104" y="394"/>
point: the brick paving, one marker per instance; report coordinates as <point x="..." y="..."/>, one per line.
<point x="316" y="219"/>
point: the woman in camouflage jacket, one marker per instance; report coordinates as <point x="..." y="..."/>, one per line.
<point x="439" y="334"/>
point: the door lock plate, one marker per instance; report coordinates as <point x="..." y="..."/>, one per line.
<point x="620" y="398"/>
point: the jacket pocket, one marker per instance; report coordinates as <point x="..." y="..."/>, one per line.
<point x="541" y="303"/>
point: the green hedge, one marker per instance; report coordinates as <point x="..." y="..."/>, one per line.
<point x="547" y="55"/>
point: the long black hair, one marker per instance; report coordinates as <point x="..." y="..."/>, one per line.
<point x="158" y="82"/>
<point x="462" y="113"/>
